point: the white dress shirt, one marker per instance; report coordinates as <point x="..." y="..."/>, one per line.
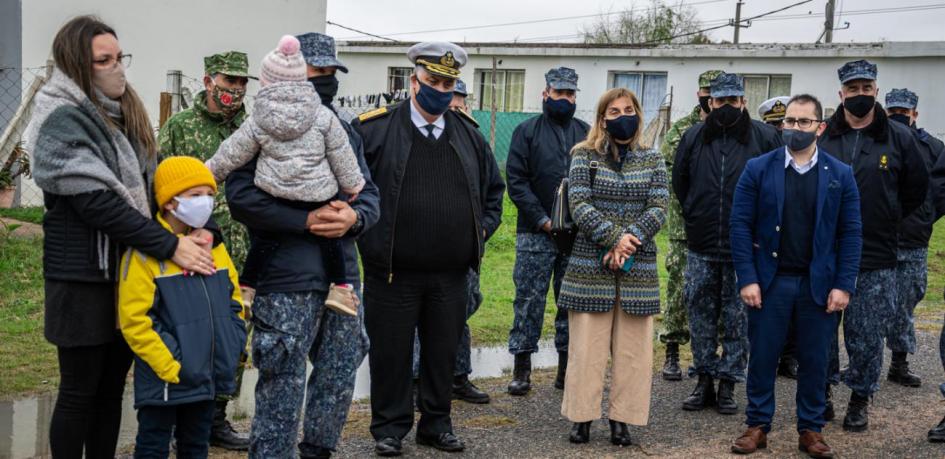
<point x="789" y="162"/>
<point x="438" y="125"/>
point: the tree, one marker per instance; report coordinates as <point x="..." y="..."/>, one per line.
<point x="656" y="24"/>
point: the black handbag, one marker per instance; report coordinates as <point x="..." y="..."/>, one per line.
<point x="563" y="228"/>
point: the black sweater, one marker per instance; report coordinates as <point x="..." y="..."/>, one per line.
<point x="435" y="227"/>
<point x="798" y="221"/>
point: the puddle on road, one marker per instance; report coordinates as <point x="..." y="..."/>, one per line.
<point x="24" y="424"/>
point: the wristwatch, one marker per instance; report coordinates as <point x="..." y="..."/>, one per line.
<point x="358" y="224"/>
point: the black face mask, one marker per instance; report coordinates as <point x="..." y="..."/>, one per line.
<point x="704" y="103"/>
<point x="904" y="119"/>
<point x="326" y="86"/>
<point x="726" y="115"/>
<point x="560" y="110"/>
<point x="859" y="105"/>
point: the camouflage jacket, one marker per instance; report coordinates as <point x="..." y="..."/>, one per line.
<point x="197" y="132"/>
<point x="674" y="227"/>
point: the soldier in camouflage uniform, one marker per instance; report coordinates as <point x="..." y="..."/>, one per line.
<point x="675" y="330"/>
<point x="217" y="112"/>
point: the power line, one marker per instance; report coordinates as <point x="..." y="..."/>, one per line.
<point x="533" y="21"/>
<point x="359" y="31"/>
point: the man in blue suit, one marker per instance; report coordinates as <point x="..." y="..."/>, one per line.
<point x="796" y="238"/>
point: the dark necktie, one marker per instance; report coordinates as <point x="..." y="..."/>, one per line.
<point x="430" y="129"/>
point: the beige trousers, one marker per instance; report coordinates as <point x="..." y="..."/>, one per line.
<point x="595" y="337"/>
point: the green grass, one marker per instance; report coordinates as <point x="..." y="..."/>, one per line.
<point x="27" y="361"/>
<point x="26" y="214"/>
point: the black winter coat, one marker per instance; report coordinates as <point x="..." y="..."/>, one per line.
<point x="387" y="136"/>
<point x="709" y="162"/>
<point x="891" y="174"/>
<point x="916" y="229"/>
<point x="539" y="157"/>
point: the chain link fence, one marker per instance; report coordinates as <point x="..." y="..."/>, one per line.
<point x="18" y="86"/>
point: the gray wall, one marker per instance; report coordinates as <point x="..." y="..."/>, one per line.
<point x="11" y="58"/>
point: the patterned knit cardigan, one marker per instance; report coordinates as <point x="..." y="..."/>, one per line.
<point x="628" y="198"/>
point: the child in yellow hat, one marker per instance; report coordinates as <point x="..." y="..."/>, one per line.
<point x="187" y="331"/>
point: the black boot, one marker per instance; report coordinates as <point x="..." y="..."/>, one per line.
<point x="671" y="371"/>
<point x="222" y="434"/>
<point x="937" y="434"/>
<point x="619" y="435"/>
<point x="726" y="398"/>
<point x="465" y="390"/>
<point x="788" y="367"/>
<point x="521" y="375"/>
<point x="899" y="371"/>
<point x="857" y="418"/>
<point x="702" y="396"/>
<point x="562" y="369"/>
<point x="829" y="414"/>
<point x="316" y="453"/>
<point x="580" y="432"/>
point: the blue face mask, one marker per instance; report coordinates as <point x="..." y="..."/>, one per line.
<point x="433" y="101"/>
<point x="560" y="110"/>
<point x="798" y="140"/>
<point x="623" y="127"/>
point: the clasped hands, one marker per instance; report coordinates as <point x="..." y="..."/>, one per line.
<point x="617" y="256"/>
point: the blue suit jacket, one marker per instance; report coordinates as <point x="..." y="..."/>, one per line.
<point x="756" y="224"/>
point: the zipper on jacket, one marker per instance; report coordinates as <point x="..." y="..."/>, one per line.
<point x="165" y="391"/>
<point x="721" y="199"/>
<point x="213" y="333"/>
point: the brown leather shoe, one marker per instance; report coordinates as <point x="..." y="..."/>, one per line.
<point x="813" y="444"/>
<point x="752" y="440"/>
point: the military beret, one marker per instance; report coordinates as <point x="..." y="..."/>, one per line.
<point x="857" y="70"/>
<point x="318" y="50"/>
<point x="440" y="58"/>
<point x="562" y="78"/>
<point x="902" y="98"/>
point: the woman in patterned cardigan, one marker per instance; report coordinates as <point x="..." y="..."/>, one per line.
<point x="610" y="307"/>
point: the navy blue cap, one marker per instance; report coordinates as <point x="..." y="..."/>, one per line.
<point x="857" y="70"/>
<point x="460" y="88"/>
<point x="901" y="98"/>
<point x="727" y="85"/>
<point x="318" y="50"/>
<point x="562" y="78"/>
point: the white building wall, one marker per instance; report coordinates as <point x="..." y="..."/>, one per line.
<point x="812" y="72"/>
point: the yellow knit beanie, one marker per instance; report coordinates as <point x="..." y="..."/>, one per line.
<point x="178" y="174"/>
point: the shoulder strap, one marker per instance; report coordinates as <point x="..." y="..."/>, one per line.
<point x="593" y="165"/>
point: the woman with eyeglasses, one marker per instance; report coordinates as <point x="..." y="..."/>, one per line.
<point x="618" y="196"/>
<point x="94" y="158"/>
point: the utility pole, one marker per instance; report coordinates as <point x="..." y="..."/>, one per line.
<point x="738" y="19"/>
<point x="828" y="23"/>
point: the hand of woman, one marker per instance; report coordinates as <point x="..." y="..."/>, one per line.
<point x="625" y="245"/>
<point x="614" y="260"/>
<point x="195" y="256"/>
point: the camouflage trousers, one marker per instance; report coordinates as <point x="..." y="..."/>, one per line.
<point x="235" y="235"/>
<point x="537" y="263"/>
<point x="675" y="327"/>
<point x="911" y="280"/>
<point x="865" y="322"/>
<point x="463" y="351"/>
<point x="290" y="327"/>
<point x="716" y="313"/>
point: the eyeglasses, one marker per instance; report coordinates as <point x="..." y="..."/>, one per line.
<point x="111" y="61"/>
<point x="802" y="123"/>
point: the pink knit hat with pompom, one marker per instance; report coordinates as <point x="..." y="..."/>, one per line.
<point x="285" y="63"/>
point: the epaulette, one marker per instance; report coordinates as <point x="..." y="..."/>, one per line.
<point x="376" y="113"/>
<point x="468" y="117"/>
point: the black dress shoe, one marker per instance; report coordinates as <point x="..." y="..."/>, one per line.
<point x="521" y="375"/>
<point x="857" y="418"/>
<point x="671" y="370"/>
<point x="788" y="367"/>
<point x="619" y="435"/>
<point x="562" y="370"/>
<point x="465" y="390"/>
<point x="937" y="434"/>
<point x="388" y="447"/>
<point x="702" y="396"/>
<point x="445" y="441"/>
<point x="725" y="401"/>
<point x="580" y="432"/>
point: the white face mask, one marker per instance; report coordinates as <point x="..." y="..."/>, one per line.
<point x="194" y="211"/>
<point x="111" y="82"/>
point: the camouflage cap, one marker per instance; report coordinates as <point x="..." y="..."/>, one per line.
<point x="460" y="88"/>
<point x="562" y="78"/>
<point x="319" y="50"/>
<point x="727" y="85"/>
<point x="857" y="70"/>
<point x="232" y="63"/>
<point x="902" y="98"/>
<point x="705" y="79"/>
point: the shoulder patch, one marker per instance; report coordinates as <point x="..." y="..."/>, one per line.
<point x="377" y="113"/>
<point x="468" y="117"/>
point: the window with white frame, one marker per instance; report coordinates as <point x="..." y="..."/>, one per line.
<point x="398" y="78"/>
<point x="650" y="88"/>
<point x="509" y="89"/>
<point x="759" y="88"/>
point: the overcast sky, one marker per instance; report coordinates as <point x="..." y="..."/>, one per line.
<point x="897" y="20"/>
